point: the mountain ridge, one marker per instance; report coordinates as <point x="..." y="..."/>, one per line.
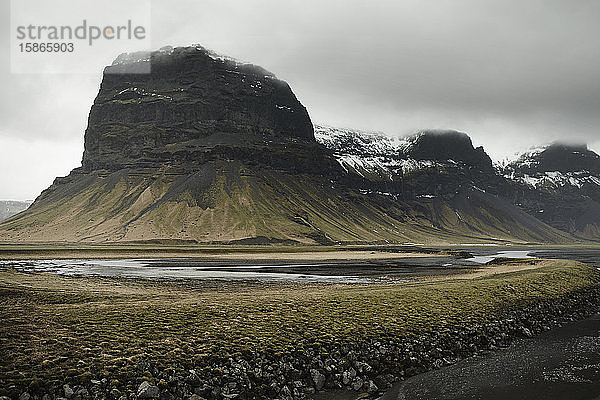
<point x="559" y="183"/>
<point x="211" y="150"/>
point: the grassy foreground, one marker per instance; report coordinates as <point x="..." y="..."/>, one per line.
<point x="57" y="329"/>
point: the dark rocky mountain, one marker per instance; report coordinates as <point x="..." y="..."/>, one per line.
<point x="427" y="164"/>
<point x="8" y="208"/>
<point x="444" y="145"/>
<point x="207" y="149"/>
<point x="558" y="157"/>
<point x="192" y="108"/>
<point x="560" y="185"/>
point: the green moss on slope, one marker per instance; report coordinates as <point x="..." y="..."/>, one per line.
<point x="226" y="201"/>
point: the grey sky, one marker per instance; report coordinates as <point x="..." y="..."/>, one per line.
<point x="512" y="74"/>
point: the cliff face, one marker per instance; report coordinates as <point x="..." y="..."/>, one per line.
<point x="557" y="157"/>
<point x="427" y="164"/>
<point x="192" y="107"/>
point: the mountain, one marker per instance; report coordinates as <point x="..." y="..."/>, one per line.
<point x="8" y="208"/>
<point x="207" y="149"/>
<point x="560" y="185"/>
<point x="193" y="107"/>
<point x="444" y="173"/>
<point x="428" y="164"/>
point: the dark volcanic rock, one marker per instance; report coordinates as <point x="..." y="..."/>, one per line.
<point x="430" y="163"/>
<point x="191" y="106"/>
<point x="560" y="185"/>
<point x="443" y="145"/>
<point x="455" y="164"/>
<point x="560" y="157"/>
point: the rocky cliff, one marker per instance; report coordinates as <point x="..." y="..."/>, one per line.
<point x="427" y="164"/>
<point x="192" y="108"/>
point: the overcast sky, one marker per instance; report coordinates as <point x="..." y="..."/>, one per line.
<point x="510" y="73"/>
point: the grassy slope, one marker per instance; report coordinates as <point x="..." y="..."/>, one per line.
<point x="228" y="201"/>
<point x="74" y="329"/>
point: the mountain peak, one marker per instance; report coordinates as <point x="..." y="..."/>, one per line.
<point x="441" y="145"/>
<point x="558" y="156"/>
<point x="567" y="147"/>
<point x="191" y="101"/>
<point x="144" y="61"/>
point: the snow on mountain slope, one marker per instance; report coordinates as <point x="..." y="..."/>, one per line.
<point x="557" y="184"/>
<point x="373" y="155"/>
<point x="555" y="166"/>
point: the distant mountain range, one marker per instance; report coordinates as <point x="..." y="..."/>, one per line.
<point x="211" y="150"/>
<point x="8" y="208"/>
<point x="559" y="184"/>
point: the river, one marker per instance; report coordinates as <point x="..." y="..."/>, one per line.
<point x="329" y="271"/>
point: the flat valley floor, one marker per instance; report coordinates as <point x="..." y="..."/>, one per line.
<point x="78" y="329"/>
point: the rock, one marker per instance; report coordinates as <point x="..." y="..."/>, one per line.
<point x="285" y="393"/>
<point x="348" y="376"/>
<point x="318" y="379"/>
<point x="384" y="381"/>
<point x="147" y="391"/>
<point x="526" y="332"/>
<point x="357" y="384"/>
<point x="68" y="391"/>
<point x="370" y="387"/>
<point x="443" y="145"/>
<point x="25" y="396"/>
